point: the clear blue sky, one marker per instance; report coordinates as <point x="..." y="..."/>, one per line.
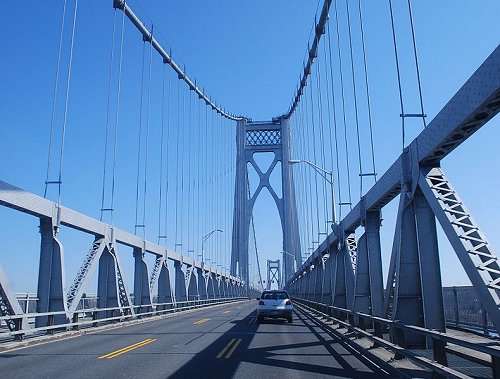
<point x="248" y="56"/>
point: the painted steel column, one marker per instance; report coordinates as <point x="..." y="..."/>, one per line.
<point x="142" y="296"/>
<point x="407" y="306"/>
<point x="372" y="232"/>
<point x="202" y="284"/>
<point x="180" y="283"/>
<point x="211" y="285"/>
<point x="164" y="287"/>
<point x="50" y="292"/>
<point x="241" y="218"/>
<point x="362" y="300"/>
<point x="192" y="286"/>
<point x="432" y="288"/>
<point x="107" y="284"/>
<point x="291" y="238"/>
<point x="318" y="291"/>
<point x="217" y="287"/>
<point x="327" y="297"/>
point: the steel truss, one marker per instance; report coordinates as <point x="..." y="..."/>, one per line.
<point x="414" y="291"/>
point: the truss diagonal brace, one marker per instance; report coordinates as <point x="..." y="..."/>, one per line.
<point x="482" y="267"/>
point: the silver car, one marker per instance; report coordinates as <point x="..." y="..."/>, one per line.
<point x="275" y="304"/>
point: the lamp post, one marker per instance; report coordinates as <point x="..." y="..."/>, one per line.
<point x="325" y="174"/>
<point x="204" y="239"/>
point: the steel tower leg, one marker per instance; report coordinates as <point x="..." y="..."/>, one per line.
<point x="107" y="286"/>
<point x="192" y="286"/>
<point x="51" y="294"/>
<point x="180" y="283"/>
<point x="164" y="287"/>
<point x="142" y="295"/>
<point x="264" y="137"/>
<point x="202" y="284"/>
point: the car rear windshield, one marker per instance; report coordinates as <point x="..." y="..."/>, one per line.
<point x="275" y="295"/>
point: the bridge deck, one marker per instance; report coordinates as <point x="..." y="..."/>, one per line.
<point x="224" y="341"/>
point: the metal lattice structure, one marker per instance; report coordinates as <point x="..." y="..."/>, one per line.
<point x="272" y="137"/>
<point x="413" y="293"/>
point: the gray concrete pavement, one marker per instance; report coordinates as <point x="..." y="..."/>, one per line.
<point x="222" y="342"/>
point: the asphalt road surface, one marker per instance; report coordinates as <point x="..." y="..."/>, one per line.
<point x="219" y="342"/>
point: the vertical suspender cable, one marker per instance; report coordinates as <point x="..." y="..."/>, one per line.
<point x="106" y="129"/>
<point x="399" y="75"/>
<point x="162" y="144"/>
<point x="188" y="157"/>
<point x="54" y="98"/>
<point x="117" y="119"/>
<point x="416" y="64"/>
<point x="177" y="165"/>
<point x="146" y="150"/>
<point x="322" y="143"/>
<point x="68" y="85"/>
<point x="355" y="98"/>
<point x="139" y="142"/>
<point x="339" y="51"/>
<point x="368" y="103"/>
<point x="332" y="78"/>
<point x="314" y="156"/>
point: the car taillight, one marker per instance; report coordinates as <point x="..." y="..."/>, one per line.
<point x="288" y="302"/>
<point x="261" y="302"/>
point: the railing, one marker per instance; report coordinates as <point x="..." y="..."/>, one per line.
<point x="464" y="310"/>
<point x="93" y="317"/>
<point x="378" y="330"/>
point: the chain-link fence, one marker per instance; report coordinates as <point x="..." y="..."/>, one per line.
<point x="462" y="308"/>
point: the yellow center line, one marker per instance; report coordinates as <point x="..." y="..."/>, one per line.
<point x="223" y="351"/>
<point x="126" y="349"/>
<point x="201" y="321"/>
<point x="233" y="349"/>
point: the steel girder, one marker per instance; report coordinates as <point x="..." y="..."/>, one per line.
<point x="469" y="243"/>
<point x="111" y="288"/>
<point x="471" y="107"/>
<point x="164" y="287"/>
<point x="414" y="268"/>
<point x="29" y="203"/>
<point x="51" y="294"/>
<point x="142" y="292"/>
<point x="85" y="272"/>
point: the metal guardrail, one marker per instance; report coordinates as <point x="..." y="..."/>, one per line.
<point x="464" y="310"/>
<point x="98" y="316"/>
<point x="378" y="329"/>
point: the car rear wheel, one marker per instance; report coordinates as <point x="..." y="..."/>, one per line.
<point x="290" y="319"/>
<point x="260" y="319"/>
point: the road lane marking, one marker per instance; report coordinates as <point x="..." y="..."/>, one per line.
<point x="233" y="349"/>
<point x="229" y="348"/>
<point x="223" y="351"/>
<point x="126" y="349"/>
<point x="226" y="311"/>
<point x="201" y="321"/>
<point x="252" y="321"/>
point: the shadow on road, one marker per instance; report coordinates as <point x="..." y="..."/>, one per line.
<point x="229" y="353"/>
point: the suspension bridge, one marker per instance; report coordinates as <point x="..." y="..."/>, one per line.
<point x="129" y="209"/>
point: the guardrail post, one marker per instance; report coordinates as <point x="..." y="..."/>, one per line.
<point x="495" y="365"/>
<point x="50" y="322"/>
<point x="455" y="297"/>
<point x="439" y="351"/>
<point x="484" y="315"/>
<point x="74" y="321"/>
<point x="399" y="338"/>
<point x="18" y="326"/>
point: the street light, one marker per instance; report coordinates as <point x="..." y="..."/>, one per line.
<point x="204" y="239"/>
<point x="327" y="175"/>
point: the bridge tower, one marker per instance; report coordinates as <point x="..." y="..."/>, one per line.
<point x="264" y="137"/>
